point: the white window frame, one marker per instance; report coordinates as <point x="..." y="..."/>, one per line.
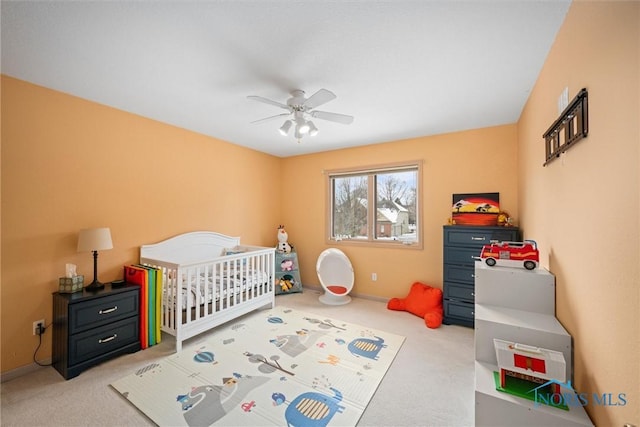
<point x="372" y="171"/>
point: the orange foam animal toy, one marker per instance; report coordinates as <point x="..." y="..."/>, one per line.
<point x="423" y="301"/>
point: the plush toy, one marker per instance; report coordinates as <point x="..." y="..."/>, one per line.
<point x="423" y="301"/>
<point x="283" y="245"/>
<point x="286" y="265"/>
<point x="285" y="284"/>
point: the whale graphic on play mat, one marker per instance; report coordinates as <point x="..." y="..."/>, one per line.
<point x="204" y="405"/>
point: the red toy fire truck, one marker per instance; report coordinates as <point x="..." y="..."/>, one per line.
<point x="511" y="254"/>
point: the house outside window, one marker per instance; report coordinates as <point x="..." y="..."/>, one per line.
<point x="376" y="205"/>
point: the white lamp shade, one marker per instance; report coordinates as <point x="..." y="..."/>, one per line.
<point x="94" y="239"/>
<point x="313" y="130"/>
<point x="284" y="129"/>
<point x="302" y="127"/>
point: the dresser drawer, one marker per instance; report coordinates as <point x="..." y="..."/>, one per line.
<point x="459" y="273"/>
<point x="101" y="311"/>
<point x="458" y="291"/>
<point x="459" y="310"/>
<point x="459" y="255"/>
<point x="473" y="236"/>
<point x="100" y="341"/>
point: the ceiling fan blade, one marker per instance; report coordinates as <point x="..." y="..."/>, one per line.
<point x="266" y="119"/>
<point x="320" y="97"/>
<point x="332" y="117"/>
<point x="268" y="101"/>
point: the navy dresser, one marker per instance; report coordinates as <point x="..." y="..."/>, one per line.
<point x="462" y="246"/>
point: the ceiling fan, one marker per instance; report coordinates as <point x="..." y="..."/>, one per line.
<point x="302" y="110"/>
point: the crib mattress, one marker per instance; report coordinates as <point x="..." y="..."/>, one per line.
<point x="198" y="290"/>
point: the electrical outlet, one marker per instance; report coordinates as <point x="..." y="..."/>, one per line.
<point x="38" y="326"/>
<point x="374" y="276"/>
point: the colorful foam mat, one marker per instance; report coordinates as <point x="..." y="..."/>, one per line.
<point x="271" y="368"/>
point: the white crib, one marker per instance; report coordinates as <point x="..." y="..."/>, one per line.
<point x="209" y="279"/>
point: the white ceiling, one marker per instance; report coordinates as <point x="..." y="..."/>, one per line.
<point x="403" y="69"/>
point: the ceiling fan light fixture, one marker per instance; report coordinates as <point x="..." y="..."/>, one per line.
<point x="284" y="129"/>
<point x="302" y="127"/>
<point x="299" y="108"/>
<point x="313" y="130"/>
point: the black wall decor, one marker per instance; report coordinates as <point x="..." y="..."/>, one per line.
<point x="569" y="128"/>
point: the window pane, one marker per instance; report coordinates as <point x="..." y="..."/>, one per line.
<point x="350" y="207"/>
<point x="376" y="205"/>
<point x="396" y="206"/>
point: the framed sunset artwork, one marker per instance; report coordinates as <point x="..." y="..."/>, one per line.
<point x="475" y="209"/>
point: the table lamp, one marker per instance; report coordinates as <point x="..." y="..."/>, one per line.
<point x="94" y="239"/>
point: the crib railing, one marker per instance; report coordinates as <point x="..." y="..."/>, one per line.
<point x="197" y="291"/>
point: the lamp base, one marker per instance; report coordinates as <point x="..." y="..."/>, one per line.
<point x="95" y="286"/>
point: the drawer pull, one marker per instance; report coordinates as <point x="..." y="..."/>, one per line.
<point x="108" y="310"/>
<point x="473" y="276"/>
<point x="111" y="338"/>
<point x="477" y="238"/>
<point x="472" y="313"/>
<point x="473" y="294"/>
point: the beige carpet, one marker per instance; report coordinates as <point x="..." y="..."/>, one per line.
<point x="430" y="382"/>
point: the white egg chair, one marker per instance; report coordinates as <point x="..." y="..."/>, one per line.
<point x="336" y="277"/>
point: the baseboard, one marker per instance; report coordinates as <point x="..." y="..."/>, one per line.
<point x="319" y="289"/>
<point x="23" y="370"/>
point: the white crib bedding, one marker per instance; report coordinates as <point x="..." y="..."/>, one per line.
<point x="227" y="285"/>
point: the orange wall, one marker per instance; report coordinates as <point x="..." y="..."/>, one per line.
<point x="583" y="208"/>
<point x="480" y="160"/>
<point x="68" y="164"/>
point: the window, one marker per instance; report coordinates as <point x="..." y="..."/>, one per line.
<point x="375" y="205"/>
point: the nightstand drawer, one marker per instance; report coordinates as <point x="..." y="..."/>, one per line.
<point x="459" y="273"/>
<point x="456" y="291"/>
<point x="100" y="341"/>
<point x="459" y="309"/>
<point x="100" y="311"/>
